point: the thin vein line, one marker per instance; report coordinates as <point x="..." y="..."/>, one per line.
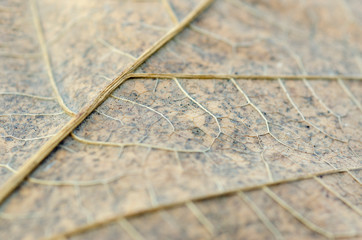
<point x="170" y="11"/>
<point x="145" y="106"/>
<point x="9" y="168"/>
<point x="311" y="89"/>
<point x="297" y="215"/>
<point x="82" y="208"/>
<point x="344" y="200"/>
<point x="106" y="115"/>
<point x="201" y="217"/>
<point x="12" y="183"/>
<point x="252" y="104"/>
<point x="27" y="139"/>
<point x="45" y="53"/>
<point x="85" y="183"/>
<point x="267" y="18"/>
<point x="211" y="34"/>
<point x="228" y="76"/>
<point x="59" y="34"/>
<point x="115" y="83"/>
<point x="349" y="93"/>
<point x="267" y="167"/>
<point x="101" y="223"/>
<point x="199" y="104"/>
<point x="27" y="95"/>
<point x="354" y="177"/>
<point x="132" y="232"/>
<point x="116" y="50"/>
<point x="30" y="114"/>
<point x="267" y="123"/>
<point x="115" y="144"/>
<point x="282" y="85"/>
<point x="261" y="216"/>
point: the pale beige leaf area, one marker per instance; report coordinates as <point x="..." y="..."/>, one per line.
<point x="167" y="119"/>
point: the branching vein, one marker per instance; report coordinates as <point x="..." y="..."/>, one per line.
<point x="46" y="57"/>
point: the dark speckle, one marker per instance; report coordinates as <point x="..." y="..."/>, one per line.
<point x="198" y="132"/>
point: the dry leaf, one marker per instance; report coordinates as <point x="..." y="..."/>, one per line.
<point x="243" y="123"/>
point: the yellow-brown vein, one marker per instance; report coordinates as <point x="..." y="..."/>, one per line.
<point x="13" y="182"/>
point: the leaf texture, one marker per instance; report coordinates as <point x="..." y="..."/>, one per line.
<point x="247" y="124"/>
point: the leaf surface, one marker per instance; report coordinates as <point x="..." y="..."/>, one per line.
<point x="226" y="153"/>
